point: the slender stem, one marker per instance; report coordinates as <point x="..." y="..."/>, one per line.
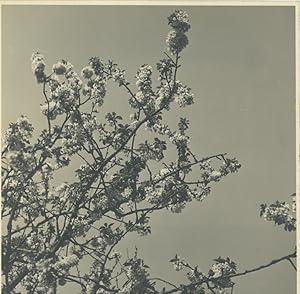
<point x="293" y="265"/>
<point x="164" y="281"/>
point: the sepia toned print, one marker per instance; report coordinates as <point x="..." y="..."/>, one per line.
<point x="148" y="149"/>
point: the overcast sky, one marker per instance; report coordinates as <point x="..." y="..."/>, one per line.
<point x="240" y="65"/>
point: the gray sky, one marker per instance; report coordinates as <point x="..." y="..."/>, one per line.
<point x="240" y="65"/>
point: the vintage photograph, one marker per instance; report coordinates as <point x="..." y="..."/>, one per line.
<point x="148" y="149"/>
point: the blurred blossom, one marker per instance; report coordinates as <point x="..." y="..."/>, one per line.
<point x="59" y="68"/>
<point x="50" y="110"/>
<point x="176" y="41"/>
<point x="38" y="66"/>
<point x="178" y="262"/>
<point x="87" y="72"/>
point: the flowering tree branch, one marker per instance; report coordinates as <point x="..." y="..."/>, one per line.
<point x="122" y="178"/>
<point x="205" y="280"/>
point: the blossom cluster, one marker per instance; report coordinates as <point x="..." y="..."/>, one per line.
<point x="179" y="20"/>
<point x="178" y="262"/>
<point x="170" y="191"/>
<point x="153" y="151"/>
<point x="21" y="161"/>
<point x="59" y="68"/>
<point x="144" y="84"/>
<point x="38" y="66"/>
<point x="195" y="276"/>
<point x="176" y="39"/>
<point x="141" y="226"/>
<point x="184" y="95"/>
<point x="280" y="213"/>
<point x="113" y="72"/>
<point x="64" y="89"/>
<point x="169" y="92"/>
<point x="78" y="132"/>
<point x="95" y="89"/>
<point x="165" y="67"/>
<point x="222" y="268"/>
<point x="87" y="72"/>
<point x="18" y="134"/>
<point x="138" y="277"/>
<point x="46" y="271"/>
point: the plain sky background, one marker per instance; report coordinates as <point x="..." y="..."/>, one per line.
<point x="240" y="65"/>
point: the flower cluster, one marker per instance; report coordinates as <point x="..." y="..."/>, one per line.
<point x="212" y="175"/>
<point x="78" y="132"/>
<point x="153" y="151"/>
<point x="161" y="129"/>
<point x="17" y="135"/>
<point x="195" y="276"/>
<point x="87" y="72"/>
<point x="169" y="92"/>
<point x="114" y="72"/>
<point x="109" y="235"/>
<point x="169" y="190"/>
<point x="65" y="263"/>
<point x="179" y="21"/>
<point x="97" y="65"/>
<point x="184" y="95"/>
<point x="178" y="262"/>
<point x="36" y="239"/>
<point x="50" y="110"/>
<point x="200" y="194"/>
<point x="280" y="213"/>
<point x="138" y="277"/>
<point x="38" y="66"/>
<point x="81" y="226"/>
<point x="164" y="96"/>
<point x="179" y="139"/>
<point x="143" y="77"/>
<point x="176" y="39"/>
<point x="230" y="165"/>
<point x="144" y="84"/>
<point x="61" y="156"/>
<point x="21" y="161"/>
<point x="59" y="68"/>
<point x="141" y="226"/>
<point x="73" y="81"/>
<point x="222" y="268"/>
<point x="45" y="272"/>
<point x="63" y="94"/>
<point x="165" y="67"/>
<point x="95" y="89"/>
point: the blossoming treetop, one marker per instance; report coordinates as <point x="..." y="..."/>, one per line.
<point x="51" y="230"/>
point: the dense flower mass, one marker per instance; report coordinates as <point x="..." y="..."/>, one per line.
<point x="179" y="21"/>
<point x="184" y="95"/>
<point x="222" y="268"/>
<point x="59" y="68"/>
<point x="165" y="68"/>
<point x="38" y="66"/>
<point x="176" y="41"/>
<point x="18" y="134"/>
<point x="87" y="72"/>
<point x="280" y="213"/>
